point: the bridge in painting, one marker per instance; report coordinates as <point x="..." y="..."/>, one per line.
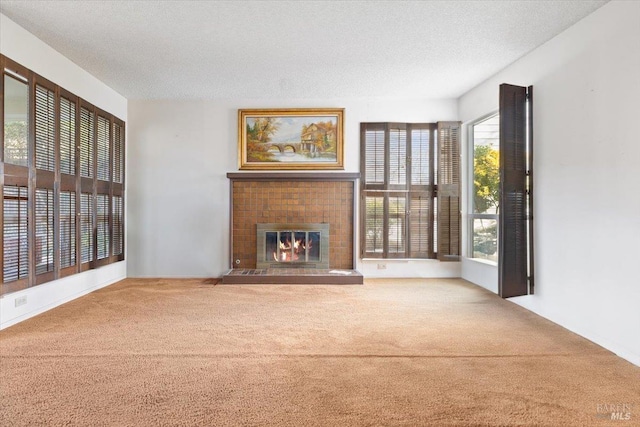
<point x="296" y="147"/>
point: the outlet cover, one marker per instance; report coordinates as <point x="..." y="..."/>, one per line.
<point x="20" y="301"/>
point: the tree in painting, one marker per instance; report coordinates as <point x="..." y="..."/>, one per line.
<point x="258" y="134"/>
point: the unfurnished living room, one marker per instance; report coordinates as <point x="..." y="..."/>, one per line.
<point x="319" y="213"/>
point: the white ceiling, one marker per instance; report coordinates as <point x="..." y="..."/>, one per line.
<point x="294" y="49"/>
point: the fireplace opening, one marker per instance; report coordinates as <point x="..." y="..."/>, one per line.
<point x="292" y="246"/>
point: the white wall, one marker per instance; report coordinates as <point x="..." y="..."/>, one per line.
<point x="181" y="151"/>
<point x="586" y="175"/>
<point x="24" y="48"/>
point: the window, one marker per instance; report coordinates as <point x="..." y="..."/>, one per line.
<point x="63" y="181"/>
<point x="485" y="188"/>
<point x="401" y="217"/>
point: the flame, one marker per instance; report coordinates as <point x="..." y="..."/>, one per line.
<point x="289" y="252"/>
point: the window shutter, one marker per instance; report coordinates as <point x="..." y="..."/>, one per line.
<point x="102" y="146"/>
<point x="44" y="230"/>
<point x="421" y="157"/>
<point x="397" y="157"/>
<point x="513" y="222"/>
<point x="67" y="229"/>
<point x="16" y="254"/>
<point x="420" y="226"/>
<point x="448" y="191"/>
<point x="374" y="149"/>
<point x="67" y="136"/>
<point x="45" y="128"/>
<point x="87" y="123"/>
<point x="102" y="218"/>
<point x="118" y="229"/>
<point x="374" y="225"/>
<point x="397" y="234"/>
<point x="86" y="228"/>
<point x="118" y="153"/>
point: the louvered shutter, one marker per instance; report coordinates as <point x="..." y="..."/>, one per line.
<point x="448" y="191"/>
<point x="102" y="147"/>
<point x="86" y="228"/>
<point x="397" y="226"/>
<point x="102" y="218"/>
<point x="397" y="157"/>
<point x="513" y="222"/>
<point x="374" y="149"/>
<point x="67" y="229"/>
<point x="118" y="228"/>
<point x="87" y="139"/>
<point x="421" y="226"/>
<point x="44" y="218"/>
<point x="67" y="136"/>
<point x="118" y="153"/>
<point x="15" y="245"/>
<point x="45" y="128"/>
<point x="374" y="225"/>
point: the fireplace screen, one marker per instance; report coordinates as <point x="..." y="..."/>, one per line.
<point x="293" y="245"/>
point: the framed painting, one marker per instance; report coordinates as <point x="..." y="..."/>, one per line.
<point x="301" y="138"/>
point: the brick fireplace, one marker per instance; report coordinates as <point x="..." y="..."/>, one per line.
<point x="292" y="198"/>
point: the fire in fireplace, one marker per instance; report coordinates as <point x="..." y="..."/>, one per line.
<point x="292" y="246"/>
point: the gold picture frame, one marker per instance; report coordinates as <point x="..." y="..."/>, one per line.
<point x="289" y="139"/>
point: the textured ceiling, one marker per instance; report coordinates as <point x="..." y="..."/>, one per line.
<point x="294" y="49"/>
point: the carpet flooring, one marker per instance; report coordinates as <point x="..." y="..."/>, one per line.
<point x="390" y="352"/>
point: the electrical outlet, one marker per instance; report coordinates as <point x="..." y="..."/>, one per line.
<point x="20" y="301"/>
<point x="382" y="266"/>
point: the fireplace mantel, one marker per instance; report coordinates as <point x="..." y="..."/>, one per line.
<point x="293" y="176"/>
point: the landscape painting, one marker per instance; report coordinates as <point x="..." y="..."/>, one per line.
<point x="291" y="138"/>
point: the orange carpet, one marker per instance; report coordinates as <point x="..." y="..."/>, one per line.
<point x="391" y="352"/>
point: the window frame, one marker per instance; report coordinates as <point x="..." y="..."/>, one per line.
<point x="471" y="215"/>
<point x="56" y="182"/>
<point x="441" y="242"/>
